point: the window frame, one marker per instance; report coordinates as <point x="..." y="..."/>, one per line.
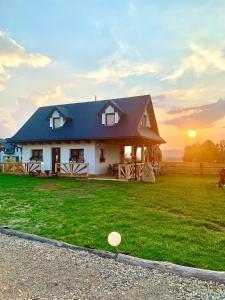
<point x="102" y="155"/>
<point x="79" y="158"/>
<point x="144" y="121"/>
<point x="39" y="156"/>
<point x="106" y="119"/>
<point x="53" y="122"/>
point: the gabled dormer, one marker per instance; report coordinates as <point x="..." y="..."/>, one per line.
<point x="110" y="114"/>
<point x="57" y="118"/>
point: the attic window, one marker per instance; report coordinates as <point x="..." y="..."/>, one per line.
<point x="110" y="119"/>
<point x="144" y="121"/>
<point x="56" y="122"/>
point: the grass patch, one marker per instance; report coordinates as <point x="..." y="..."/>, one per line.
<point x="178" y="219"/>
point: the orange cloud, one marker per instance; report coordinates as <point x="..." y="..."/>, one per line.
<point x="203" y="116"/>
<point x="12" y="55"/>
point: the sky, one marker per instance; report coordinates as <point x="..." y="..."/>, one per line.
<point x="54" y="52"/>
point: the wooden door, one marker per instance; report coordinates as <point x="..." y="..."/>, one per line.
<point x="55" y="158"/>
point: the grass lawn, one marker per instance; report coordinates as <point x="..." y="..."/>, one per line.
<point x="178" y="219"/>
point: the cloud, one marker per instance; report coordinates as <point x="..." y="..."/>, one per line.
<point x="220" y="123"/>
<point x="11" y="121"/>
<point x="199" y="62"/>
<point x="205" y="116"/>
<point x="12" y="55"/>
<point x="118" y="66"/>
<point x="179" y="97"/>
<point x="2" y="87"/>
<point x="7" y="122"/>
<point x="136" y="90"/>
<point x="181" y="94"/>
<point x="50" y="97"/>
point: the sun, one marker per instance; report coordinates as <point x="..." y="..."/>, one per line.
<point x="191" y="133"/>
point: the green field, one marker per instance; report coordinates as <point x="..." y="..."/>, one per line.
<point x="178" y="219"/>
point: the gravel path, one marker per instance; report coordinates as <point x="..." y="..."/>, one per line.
<point x="32" y="270"/>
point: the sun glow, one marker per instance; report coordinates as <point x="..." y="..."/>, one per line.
<point x="191" y="133"/>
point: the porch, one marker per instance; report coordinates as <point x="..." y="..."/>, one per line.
<point x="87" y="159"/>
<point x="122" y="171"/>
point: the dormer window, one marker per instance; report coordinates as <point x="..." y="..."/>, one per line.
<point x="56" y="122"/>
<point x="57" y="119"/>
<point x="110" y="119"/>
<point x="110" y="113"/>
<point x="144" y="121"/>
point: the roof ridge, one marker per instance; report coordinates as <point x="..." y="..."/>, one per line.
<point x="103" y="100"/>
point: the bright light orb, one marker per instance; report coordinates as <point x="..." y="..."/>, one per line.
<point x="191" y="133"/>
<point x="114" y="239"/>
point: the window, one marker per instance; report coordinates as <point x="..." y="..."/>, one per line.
<point x="101" y="155"/>
<point x="77" y="155"/>
<point x="144" y="121"/>
<point x="110" y="119"/>
<point x="37" y="154"/>
<point x="56" y="122"/>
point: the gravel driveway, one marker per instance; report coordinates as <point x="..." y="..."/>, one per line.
<point x="32" y="270"/>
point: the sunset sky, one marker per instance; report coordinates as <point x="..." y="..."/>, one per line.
<point x="55" y="52"/>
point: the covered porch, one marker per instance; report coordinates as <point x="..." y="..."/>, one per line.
<point x="122" y="159"/>
<point x="136" y="155"/>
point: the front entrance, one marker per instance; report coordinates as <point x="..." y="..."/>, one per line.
<point x="55" y="158"/>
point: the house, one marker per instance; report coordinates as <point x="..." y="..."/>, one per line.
<point x="93" y="133"/>
<point x="9" y="152"/>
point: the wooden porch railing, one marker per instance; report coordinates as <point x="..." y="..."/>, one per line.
<point x="130" y="171"/>
<point x="21" y="168"/>
<point x="72" y="169"/>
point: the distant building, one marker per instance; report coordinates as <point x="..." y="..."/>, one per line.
<point x="9" y="152"/>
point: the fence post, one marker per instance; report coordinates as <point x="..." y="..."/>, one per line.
<point x="87" y="170"/>
<point x="119" y="171"/>
<point x="201" y="168"/>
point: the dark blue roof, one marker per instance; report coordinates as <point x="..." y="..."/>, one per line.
<point x="84" y="122"/>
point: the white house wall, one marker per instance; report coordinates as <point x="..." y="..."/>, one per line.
<point x="89" y="154"/>
<point x="112" y="155"/>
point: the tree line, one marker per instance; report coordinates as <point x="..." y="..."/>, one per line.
<point x="205" y="152"/>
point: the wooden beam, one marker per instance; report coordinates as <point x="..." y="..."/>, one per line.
<point x="122" y="154"/>
<point x="142" y="154"/>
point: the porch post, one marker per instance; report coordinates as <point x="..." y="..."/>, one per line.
<point x="142" y="154"/>
<point x="122" y="151"/>
<point x="134" y="160"/>
<point x="134" y="153"/>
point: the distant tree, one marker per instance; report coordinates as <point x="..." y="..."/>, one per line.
<point x="192" y="153"/>
<point x="206" y="151"/>
<point x="221" y="151"/>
